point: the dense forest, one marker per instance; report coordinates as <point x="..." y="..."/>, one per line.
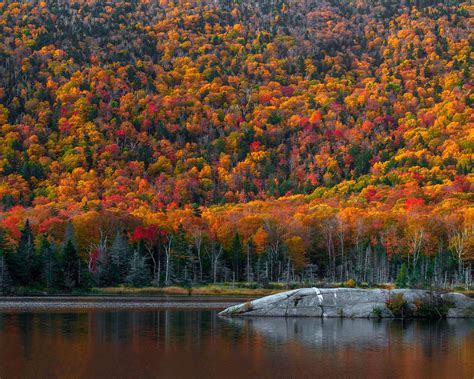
<point x="158" y="142"/>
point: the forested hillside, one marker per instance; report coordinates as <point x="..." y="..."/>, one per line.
<point x="277" y="140"/>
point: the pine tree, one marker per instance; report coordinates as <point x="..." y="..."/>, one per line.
<point x="251" y="260"/>
<point x="139" y="273"/>
<point x="102" y="266"/>
<point x="50" y="264"/>
<point x="75" y="274"/>
<point x="182" y="259"/>
<point x="5" y="280"/>
<point x="23" y="264"/>
<point x="69" y="235"/>
<point x="236" y="257"/>
<point x="119" y="259"/>
<point x="402" y="277"/>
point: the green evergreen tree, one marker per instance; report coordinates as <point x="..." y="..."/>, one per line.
<point x="182" y="257"/>
<point x="23" y="264"/>
<point x="402" y="277"/>
<point x="50" y="264"/>
<point x="5" y="279"/>
<point x="139" y="273"/>
<point x="69" y="234"/>
<point x="75" y="274"/>
<point x="236" y="257"/>
<point x="250" y="261"/>
<point x="102" y="265"/>
<point x="120" y="257"/>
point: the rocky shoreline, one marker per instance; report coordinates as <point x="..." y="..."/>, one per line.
<point x="357" y="303"/>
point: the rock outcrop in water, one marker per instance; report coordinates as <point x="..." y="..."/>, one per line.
<point x="357" y="303"/>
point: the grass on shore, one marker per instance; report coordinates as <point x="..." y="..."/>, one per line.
<point x="213" y="290"/>
<point x="209" y="290"/>
<point x="222" y="289"/>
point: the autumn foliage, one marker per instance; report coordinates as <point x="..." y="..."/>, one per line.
<point x="333" y="138"/>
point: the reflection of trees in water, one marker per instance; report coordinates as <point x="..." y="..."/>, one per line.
<point x="25" y="323"/>
<point x="184" y="343"/>
<point x="166" y="327"/>
<point x="169" y="328"/>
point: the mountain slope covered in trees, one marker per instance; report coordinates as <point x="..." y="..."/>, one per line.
<point x="238" y="140"/>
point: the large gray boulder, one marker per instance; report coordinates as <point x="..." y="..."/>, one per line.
<point x="349" y="302"/>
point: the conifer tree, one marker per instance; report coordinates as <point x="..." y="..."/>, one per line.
<point x="50" y="264"/>
<point x="75" y="274"/>
<point x="402" y="277"/>
<point x="139" y="273"/>
<point x="182" y="257"/>
<point x="236" y="256"/>
<point x="23" y="264"/>
<point x="119" y="262"/>
<point x="5" y="280"/>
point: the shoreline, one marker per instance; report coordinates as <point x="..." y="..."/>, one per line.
<point x="210" y="290"/>
<point x="218" y="290"/>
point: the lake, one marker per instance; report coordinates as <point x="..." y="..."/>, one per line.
<point x="176" y="337"/>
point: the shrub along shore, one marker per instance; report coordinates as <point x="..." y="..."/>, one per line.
<point x="210" y="290"/>
<point x="222" y="289"/>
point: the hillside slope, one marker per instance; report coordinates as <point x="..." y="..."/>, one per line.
<point x="119" y="114"/>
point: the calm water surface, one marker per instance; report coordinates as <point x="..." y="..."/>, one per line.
<point x="184" y="338"/>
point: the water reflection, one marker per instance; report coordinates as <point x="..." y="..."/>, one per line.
<point x="338" y="333"/>
<point x="179" y="343"/>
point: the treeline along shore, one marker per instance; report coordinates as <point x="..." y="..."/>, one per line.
<point x="193" y="255"/>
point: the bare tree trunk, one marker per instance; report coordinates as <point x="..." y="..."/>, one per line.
<point x="288" y="274"/>
<point x="417" y="241"/>
<point x="215" y="270"/>
<point x="458" y="241"/>
<point x="159" y="271"/>
<point x="341" y="247"/>
<point x="197" y="236"/>
<point x="153" y="260"/>
<point x="168" y="259"/>
<point x="214" y="256"/>
<point x="248" y="263"/>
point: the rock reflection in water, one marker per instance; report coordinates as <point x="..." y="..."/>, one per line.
<point x="338" y="333"/>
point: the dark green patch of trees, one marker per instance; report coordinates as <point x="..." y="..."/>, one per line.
<point x="39" y="264"/>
